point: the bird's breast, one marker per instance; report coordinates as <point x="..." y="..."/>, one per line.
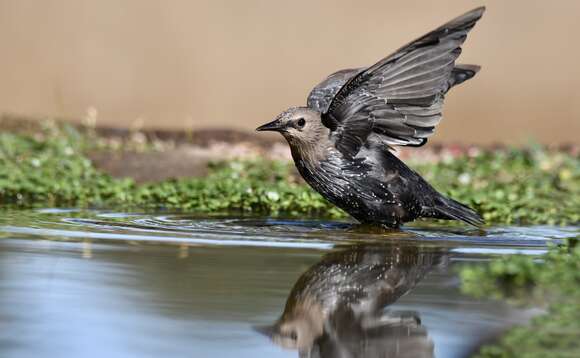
<point x="358" y="186"/>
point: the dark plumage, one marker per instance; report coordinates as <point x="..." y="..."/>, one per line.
<point x="341" y="142"/>
<point x="337" y="307"/>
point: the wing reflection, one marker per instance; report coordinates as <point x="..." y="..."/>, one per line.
<point x="337" y="307"/>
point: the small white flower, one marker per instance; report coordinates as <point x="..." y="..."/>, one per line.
<point x="35" y="162"/>
<point x="464" y="178"/>
<point x="272" y="195"/>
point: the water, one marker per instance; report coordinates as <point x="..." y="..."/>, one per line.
<point x="106" y="284"/>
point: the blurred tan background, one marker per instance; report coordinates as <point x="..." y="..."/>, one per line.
<point x="202" y="63"/>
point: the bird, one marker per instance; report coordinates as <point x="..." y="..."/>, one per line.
<point x="337" y="307"/>
<point x="342" y="141"/>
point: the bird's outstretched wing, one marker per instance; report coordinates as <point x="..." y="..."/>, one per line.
<point x="400" y="98"/>
<point x="320" y="97"/>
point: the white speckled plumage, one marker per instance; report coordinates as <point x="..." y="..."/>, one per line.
<point x="341" y="141"/>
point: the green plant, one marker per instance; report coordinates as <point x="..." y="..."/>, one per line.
<point x="513" y="186"/>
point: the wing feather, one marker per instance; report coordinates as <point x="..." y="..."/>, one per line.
<point x="400" y="98"/>
<point x="321" y="95"/>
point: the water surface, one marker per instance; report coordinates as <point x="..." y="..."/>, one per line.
<point x="107" y="284"/>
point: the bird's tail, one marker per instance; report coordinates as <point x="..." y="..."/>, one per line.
<point x="449" y="209"/>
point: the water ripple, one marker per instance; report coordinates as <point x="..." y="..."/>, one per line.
<point x="180" y="228"/>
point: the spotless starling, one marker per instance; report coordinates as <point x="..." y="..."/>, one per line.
<point x="341" y="141"/>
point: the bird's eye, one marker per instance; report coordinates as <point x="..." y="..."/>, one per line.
<point x="301" y="122"/>
<point x="293" y="335"/>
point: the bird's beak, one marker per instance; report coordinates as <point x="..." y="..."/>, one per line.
<point x="267" y="331"/>
<point x="275" y="125"/>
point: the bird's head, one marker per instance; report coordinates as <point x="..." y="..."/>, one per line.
<point x="297" y="333"/>
<point x="299" y="326"/>
<point x="299" y="125"/>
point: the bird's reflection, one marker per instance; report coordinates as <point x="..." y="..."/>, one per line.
<point x="337" y="307"/>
